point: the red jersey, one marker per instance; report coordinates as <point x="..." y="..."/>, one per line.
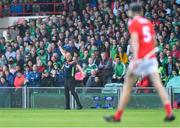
<point x="145" y="30"/>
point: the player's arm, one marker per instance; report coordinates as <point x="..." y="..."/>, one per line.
<point x="134" y="44"/>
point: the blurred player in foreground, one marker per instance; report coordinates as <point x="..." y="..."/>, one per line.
<point x="144" y="62"/>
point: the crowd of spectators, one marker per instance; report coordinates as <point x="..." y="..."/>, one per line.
<point x="96" y="35"/>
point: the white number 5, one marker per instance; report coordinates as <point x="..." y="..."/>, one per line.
<point x="146" y="34"/>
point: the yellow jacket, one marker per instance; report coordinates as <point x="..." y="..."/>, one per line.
<point x="123" y="57"/>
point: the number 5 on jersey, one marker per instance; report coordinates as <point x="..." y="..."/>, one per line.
<point x="147" y="37"/>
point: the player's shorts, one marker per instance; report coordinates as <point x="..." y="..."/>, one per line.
<point x="144" y="67"/>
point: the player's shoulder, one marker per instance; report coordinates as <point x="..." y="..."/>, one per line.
<point x="142" y="20"/>
<point x="132" y="22"/>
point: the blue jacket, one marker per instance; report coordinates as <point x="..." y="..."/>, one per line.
<point x="34" y="79"/>
<point x="10" y="80"/>
<point x="16" y="8"/>
<point x="4" y="85"/>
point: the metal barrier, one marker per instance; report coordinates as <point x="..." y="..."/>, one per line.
<point x="90" y="97"/>
<point x="45" y="97"/>
<point x="12" y="97"/>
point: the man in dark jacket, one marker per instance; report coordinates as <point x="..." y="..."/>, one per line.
<point x="46" y="79"/>
<point x="9" y="78"/>
<point x="69" y="69"/>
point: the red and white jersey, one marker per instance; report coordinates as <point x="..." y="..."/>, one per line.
<point x="145" y="30"/>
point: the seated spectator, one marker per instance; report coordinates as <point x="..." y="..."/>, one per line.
<point x="113" y="50"/>
<point x="34" y="77"/>
<point x="10" y="52"/>
<point x="40" y="66"/>
<point x="105" y="68"/>
<point x="9" y="78"/>
<point x="49" y="65"/>
<point x="3" y="60"/>
<point x="119" y="71"/>
<point x="46" y="79"/>
<point x="94" y="80"/>
<point x="2" y="44"/>
<point x="169" y="66"/>
<point x="173" y="74"/>
<point x="3" y="82"/>
<point x="122" y="55"/>
<point x="19" y="80"/>
<point x="162" y="72"/>
<point x="161" y="59"/>
<point x="178" y="67"/>
<point x="43" y="56"/>
<point x="27" y="72"/>
<point x="27" y="37"/>
<point x="91" y="66"/>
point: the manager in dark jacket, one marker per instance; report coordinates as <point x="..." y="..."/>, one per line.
<point x="69" y="69"/>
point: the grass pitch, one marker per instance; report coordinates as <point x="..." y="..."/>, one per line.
<point x="49" y="118"/>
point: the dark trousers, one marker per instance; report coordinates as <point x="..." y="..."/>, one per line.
<point x="69" y="85"/>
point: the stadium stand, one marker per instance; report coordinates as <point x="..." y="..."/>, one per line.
<point x="95" y="29"/>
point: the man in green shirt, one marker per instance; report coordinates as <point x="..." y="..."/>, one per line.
<point x="43" y="56"/>
<point x="119" y="71"/>
<point x="91" y="66"/>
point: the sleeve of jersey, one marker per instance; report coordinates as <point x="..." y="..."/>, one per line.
<point x="133" y="27"/>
